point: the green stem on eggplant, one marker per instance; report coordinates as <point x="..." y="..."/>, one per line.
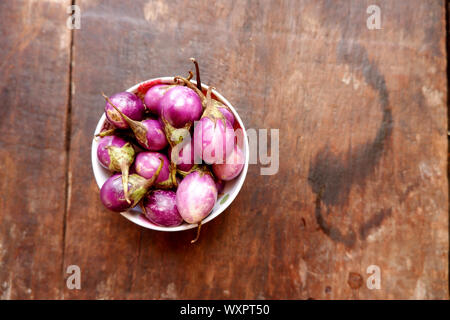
<point x="197" y="72"/>
<point x="190" y="76"/>
<point x="198" y="232"/>
<point x="105" y="133"/>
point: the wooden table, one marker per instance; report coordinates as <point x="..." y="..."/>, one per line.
<point x="362" y="119"/>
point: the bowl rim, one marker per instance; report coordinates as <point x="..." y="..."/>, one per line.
<point x="135" y="215"/>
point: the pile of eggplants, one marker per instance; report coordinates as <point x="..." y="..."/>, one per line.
<point x="170" y="149"/>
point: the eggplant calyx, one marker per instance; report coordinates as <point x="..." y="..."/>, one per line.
<point x="139" y="129"/>
<point x="212" y="111"/>
<point x="105" y="133"/>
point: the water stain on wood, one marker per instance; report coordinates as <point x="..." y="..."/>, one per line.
<point x="333" y="175"/>
<point x="374" y="222"/>
<point x="335" y="234"/>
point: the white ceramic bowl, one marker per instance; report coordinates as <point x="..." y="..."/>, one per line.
<point x="227" y="196"/>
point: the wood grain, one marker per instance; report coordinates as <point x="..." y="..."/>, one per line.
<point x="363" y="152"/>
<point x="362" y="179"/>
<point x="34" y="83"/>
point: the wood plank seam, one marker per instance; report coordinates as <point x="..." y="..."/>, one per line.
<point x="68" y="137"/>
